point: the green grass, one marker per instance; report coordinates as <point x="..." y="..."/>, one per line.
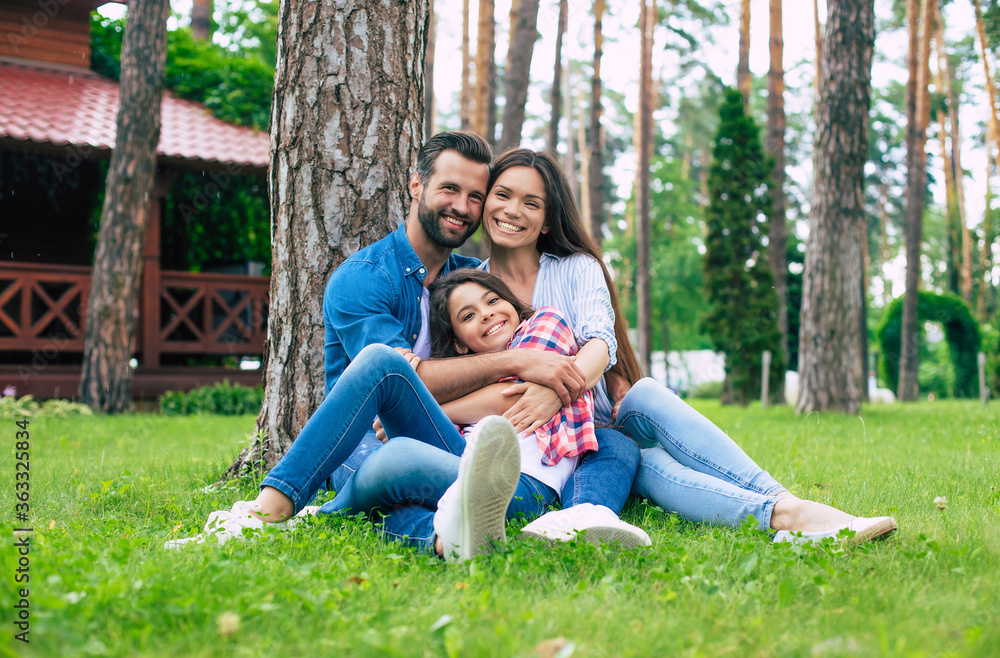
<point x="107" y="492"/>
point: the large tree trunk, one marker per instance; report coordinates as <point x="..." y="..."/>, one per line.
<point x="465" y="96"/>
<point x="201" y="20"/>
<point x="346" y="123"/>
<point x="596" y="145"/>
<point x="429" y="123"/>
<point x="647" y="19"/>
<point x="106" y="378"/>
<point x="777" y="239"/>
<point x="743" y="80"/>
<point x="917" y="117"/>
<point x="485" y="112"/>
<point x="518" y="72"/>
<point x="829" y="363"/>
<point x="556" y="93"/>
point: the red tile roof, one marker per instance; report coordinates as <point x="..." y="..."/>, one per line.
<point x="78" y="107"/>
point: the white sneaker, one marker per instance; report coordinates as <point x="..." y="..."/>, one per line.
<point x="225" y="525"/>
<point x="596" y="522"/>
<point x="473" y="510"/>
<point x="864" y="529"/>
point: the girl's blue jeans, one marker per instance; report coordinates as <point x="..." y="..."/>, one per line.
<point x="690" y="466"/>
<point x="378" y="382"/>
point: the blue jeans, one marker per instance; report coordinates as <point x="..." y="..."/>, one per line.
<point x="693" y="468"/>
<point x="378" y="382"/>
<point x="404" y="481"/>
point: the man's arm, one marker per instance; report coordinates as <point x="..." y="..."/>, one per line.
<point x="448" y="379"/>
<point x="475" y="406"/>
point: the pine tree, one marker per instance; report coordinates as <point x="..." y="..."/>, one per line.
<point x="743" y="322"/>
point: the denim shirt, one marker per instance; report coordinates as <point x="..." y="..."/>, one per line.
<point x="374" y="297"/>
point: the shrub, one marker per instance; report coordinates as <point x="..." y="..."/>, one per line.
<point x="27" y="407"/>
<point x="224" y="399"/>
<point x="707" y="391"/>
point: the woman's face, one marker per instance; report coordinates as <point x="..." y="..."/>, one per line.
<point x="514" y="213"/>
<point x="481" y="319"/>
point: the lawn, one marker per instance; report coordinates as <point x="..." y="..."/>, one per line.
<point x="107" y="492"/>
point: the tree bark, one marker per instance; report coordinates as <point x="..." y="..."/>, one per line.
<point x="465" y="97"/>
<point x="109" y="339"/>
<point x="584" y="150"/>
<point x="484" y="115"/>
<point x="518" y="72"/>
<point x="777" y="239"/>
<point x="647" y="19"/>
<point x="346" y="123"/>
<point x="829" y="363"/>
<point x="596" y="145"/>
<point x="429" y="123"/>
<point x="743" y="79"/>
<point x="201" y="20"/>
<point x="917" y="117"/>
<point x="556" y="93"/>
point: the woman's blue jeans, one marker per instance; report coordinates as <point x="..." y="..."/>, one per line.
<point x="404" y="481"/>
<point x="378" y="382"/>
<point x="690" y="466"/>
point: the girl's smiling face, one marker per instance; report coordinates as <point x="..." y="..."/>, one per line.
<point x="514" y="212"/>
<point x="481" y="319"/>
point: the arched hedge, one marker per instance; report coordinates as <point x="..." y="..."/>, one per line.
<point x="960" y="329"/>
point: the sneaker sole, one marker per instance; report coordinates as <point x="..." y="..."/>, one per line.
<point x="875" y="532"/>
<point x="488" y="484"/>
<point x="611" y="534"/>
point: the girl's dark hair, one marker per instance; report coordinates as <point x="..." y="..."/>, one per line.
<point x="442" y="333"/>
<point x="567" y="236"/>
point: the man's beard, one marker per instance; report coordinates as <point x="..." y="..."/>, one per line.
<point x="430" y="221"/>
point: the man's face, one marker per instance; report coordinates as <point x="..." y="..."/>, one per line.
<point x="451" y="202"/>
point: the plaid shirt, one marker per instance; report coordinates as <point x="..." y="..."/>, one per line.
<point x="571" y="430"/>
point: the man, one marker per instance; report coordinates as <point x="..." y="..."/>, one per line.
<point x="379" y="295"/>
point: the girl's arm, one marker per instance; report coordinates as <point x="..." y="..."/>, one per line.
<point x="488" y="401"/>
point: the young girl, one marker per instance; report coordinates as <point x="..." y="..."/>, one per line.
<point x="475" y="312"/>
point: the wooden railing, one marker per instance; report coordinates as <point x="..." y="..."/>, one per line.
<point x="43" y="307"/>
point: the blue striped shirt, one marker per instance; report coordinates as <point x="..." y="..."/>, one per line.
<point x="575" y="285"/>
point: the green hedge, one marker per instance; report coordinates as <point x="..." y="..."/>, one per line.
<point x="224" y="399"/>
<point x="960" y="329"/>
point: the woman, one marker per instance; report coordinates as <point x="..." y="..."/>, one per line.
<point x="539" y="247"/>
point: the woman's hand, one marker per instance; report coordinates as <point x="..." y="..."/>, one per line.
<point x="537" y="406"/>
<point x="411" y="358"/>
<point x="379" y="430"/>
<point x="617" y="388"/>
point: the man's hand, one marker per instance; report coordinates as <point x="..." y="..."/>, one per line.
<point x="537" y="406"/>
<point x="411" y="358"/>
<point x="554" y="371"/>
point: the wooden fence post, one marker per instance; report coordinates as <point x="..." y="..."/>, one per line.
<point x="765" y="379"/>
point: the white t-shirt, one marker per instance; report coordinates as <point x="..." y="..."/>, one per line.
<point x="422" y="347"/>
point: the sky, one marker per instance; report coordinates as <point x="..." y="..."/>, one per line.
<point x="620" y="72"/>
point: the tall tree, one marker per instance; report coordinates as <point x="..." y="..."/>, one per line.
<point x="776" y="147"/>
<point x="644" y="323"/>
<point x="744" y="80"/>
<point x="920" y="26"/>
<point x="595" y="178"/>
<point x="485" y="111"/>
<point x="556" y="92"/>
<point x="830" y="367"/>
<point x="465" y="96"/>
<point x="517" y="75"/>
<point x="109" y="340"/>
<point x="344" y="132"/>
<point x="429" y="129"/>
<point x="738" y="279"/>
<point x="201" y="19"/>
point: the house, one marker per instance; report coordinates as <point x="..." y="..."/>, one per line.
<point x="57" y="124"/>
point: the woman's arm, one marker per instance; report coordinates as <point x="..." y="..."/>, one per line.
<point x="488" y="401"/>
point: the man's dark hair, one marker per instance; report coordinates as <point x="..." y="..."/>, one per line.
<point x="469" y="145"/>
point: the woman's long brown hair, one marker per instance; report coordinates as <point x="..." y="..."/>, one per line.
<point x="567" y="236"/>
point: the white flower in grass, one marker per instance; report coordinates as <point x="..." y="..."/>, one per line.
<point x="229" y="623"/>
<point x="941" y="502"/>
